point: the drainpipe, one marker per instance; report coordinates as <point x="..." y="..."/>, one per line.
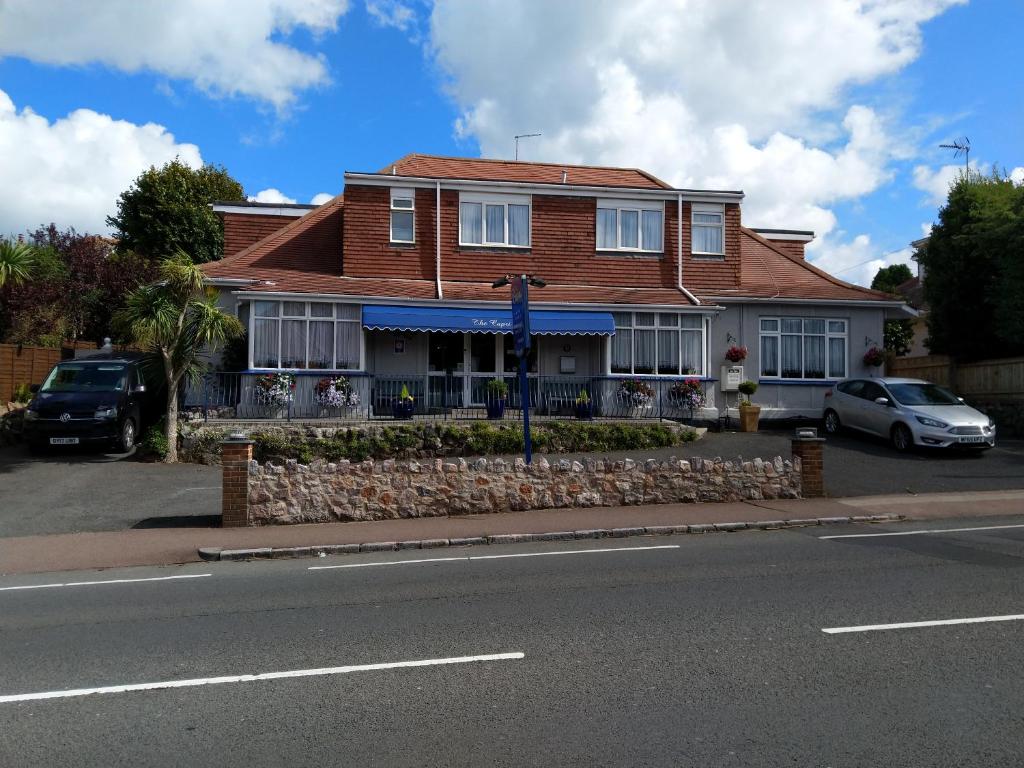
<point x="437" y="238"/>
<point x="679" y="244"/>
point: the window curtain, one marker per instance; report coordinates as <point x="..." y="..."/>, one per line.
<point x="622" y="350"/>
<point x="707" y="239"/>
<point x="644" y="351"/>
<point x="346" y="346"/>
<point x="837" y="358"/>
<point x="652" y="229"/>
<point x="264" y="342"/>
<point x="693" y="352"/>
<point x="495" y="232"/>
<point x="293" y="343"/>
<point x="630" y="229"/>
<point x="792" y="357"/>
<point x="606" y="228"/>
<point x="519" y="225"/>
<point x="668" y="352"/>
<point x="769" y="355"/>
<point x="471" y="223"/>
<point x="321" y="344"/>
<point x="814" y="357"/>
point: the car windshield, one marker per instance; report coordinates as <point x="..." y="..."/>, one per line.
<point x="923" y="394"/>
<point x="84" y="377"/>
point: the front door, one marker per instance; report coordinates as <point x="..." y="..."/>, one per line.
<point x="446" y="363"/>
<point x="483" y="366"/>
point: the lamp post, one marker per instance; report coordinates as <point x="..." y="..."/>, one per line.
<point x="521" y="337"/>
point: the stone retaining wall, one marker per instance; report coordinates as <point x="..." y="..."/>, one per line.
<point x="324" y="492"/>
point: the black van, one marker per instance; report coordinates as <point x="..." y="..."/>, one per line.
<point x="100" y="400"/>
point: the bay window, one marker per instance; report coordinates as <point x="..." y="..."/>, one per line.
<point x="299" y="335"/>
<point x="498" y="220"/>
<point x="708" y="222"/>
<point x="663" y="343"/>
<point x="803" y="348"/>
<point x="403" y="215"/>
<point x="624" y="225"/>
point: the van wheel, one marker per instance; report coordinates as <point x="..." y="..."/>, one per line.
<point x="127" y="439"/>
<point x="832" y="423"/>
<point x="902" y="440"/>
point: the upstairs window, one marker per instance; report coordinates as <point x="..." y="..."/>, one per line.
<point x="630" y="226"/>
<point x="499" y="220"/>
<point x="708" y="229"/>
<point x="403" y="215"/>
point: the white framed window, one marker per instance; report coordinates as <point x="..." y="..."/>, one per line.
<point x="306" y="335"/>
<point x="708" y="223"/>
<point x="657" y="343"/>
<point x="498" y="220"/>
<point x="630" y="225"/>
<point x="804" y="348"/>
<point x="403" y="215"/>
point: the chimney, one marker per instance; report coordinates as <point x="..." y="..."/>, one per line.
<point x="790" y="241"/>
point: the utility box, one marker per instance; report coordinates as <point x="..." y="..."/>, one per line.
<point x="731" y="377"/>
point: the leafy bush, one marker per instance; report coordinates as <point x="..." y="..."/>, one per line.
<point x="22" y="394"/>
<point x="155" y="441"/>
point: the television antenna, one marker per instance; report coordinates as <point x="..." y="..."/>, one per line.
<point x="523" y="136"/>
<point x="961" y="146"/>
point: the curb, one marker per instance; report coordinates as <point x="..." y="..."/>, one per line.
<point x="280" y="553"/>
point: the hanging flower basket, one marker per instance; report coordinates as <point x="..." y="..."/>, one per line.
<point x="634" y="393"/>
<point x="274" y="389"/>
<point x="874" y="357"/>
<point x="735" y="354"/>
<point x="688" y="394"/>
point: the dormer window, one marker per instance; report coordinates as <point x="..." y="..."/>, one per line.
<point x="403" y="215"/>
<point x="708" y="229"/>
<point x="494" y="220"/>
<point x="624" y="225"/>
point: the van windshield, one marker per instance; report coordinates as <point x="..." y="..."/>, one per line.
<point x="84" y="377"/>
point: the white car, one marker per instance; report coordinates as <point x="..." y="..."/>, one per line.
<point x="907" y="412"/>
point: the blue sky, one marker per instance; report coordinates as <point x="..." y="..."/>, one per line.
<point x="827" y="112"/>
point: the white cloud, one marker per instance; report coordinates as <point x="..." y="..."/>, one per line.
<point x="728" y="94"/>
<point x="1017" y="175"/>
<point x="937" y="182"/>
<point x="224" y="47"/>
<point x="391" y="13"/>
<point x="271" y="195"/>
<point x="71" y="171"/>
<point x="857" y="260"/>
<point x="321" y="198"/>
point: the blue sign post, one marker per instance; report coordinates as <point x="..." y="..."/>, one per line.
<point x="521" y="338"/>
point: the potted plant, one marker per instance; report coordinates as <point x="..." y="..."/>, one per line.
<point x="584" y="406"/>
<point x="333" y="393"/>
<point x="275" y="391"/>
<point x="635" y="394"/>
<point x="749" y="413"/>
<point x="874" y="357"/>
<point x="497" y="396"/>
<point x="404" y="404"/>
<point x="688" y="394"/>
<point x="736" y="354"/>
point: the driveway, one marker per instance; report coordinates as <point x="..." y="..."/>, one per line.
<point x="77" y="492"/>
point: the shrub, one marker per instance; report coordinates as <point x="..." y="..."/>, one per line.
<point x="22" y="394"/>
<point x="154" y="443"/>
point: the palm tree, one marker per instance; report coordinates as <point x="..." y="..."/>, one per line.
<point x="16" y="261"/>
<point x="178" y="320"/>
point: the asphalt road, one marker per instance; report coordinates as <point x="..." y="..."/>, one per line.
<point x="709" y="653"/>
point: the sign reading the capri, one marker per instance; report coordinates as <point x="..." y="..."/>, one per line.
<point x="521" y="315"/>
<point x="491" y="322"/>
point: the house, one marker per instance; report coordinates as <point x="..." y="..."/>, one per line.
<point x="390" y="283"/>
<point x="912" y="292"/>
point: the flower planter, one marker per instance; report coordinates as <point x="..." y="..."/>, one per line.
<point x="403" y="409"/>
<point x="749" y="414"/>
<point x="496" y="409"/>
<point x="585" y="411"/>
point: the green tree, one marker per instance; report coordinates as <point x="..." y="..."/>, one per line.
<point x="178" y="320"/>
<point x="974" y="278"/>
<point x="168" y="209"/>
<point x="889" y="278"/>
<point x="17" y="260"/>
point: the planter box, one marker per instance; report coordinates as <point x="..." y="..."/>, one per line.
<point x="496" y="409"/>
<point x="402" y="409"/>
<point x="585" y="411"/>
<point x="749" y="414"/>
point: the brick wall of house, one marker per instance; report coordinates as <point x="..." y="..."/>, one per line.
<point x="243" y="229"/>
<point x="563" y="245"/>
<point x="792" y="247"/>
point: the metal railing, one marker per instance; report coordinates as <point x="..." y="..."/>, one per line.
<point x="399" y="397"/>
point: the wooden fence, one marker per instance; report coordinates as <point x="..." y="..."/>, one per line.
<point x="24" y="365"/>
<point x="985" y="380"/>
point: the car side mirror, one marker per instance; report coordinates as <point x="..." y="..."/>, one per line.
<point x="33" y="388"/>
<point x="882" y="400"/>
<point x="139" y="389"/>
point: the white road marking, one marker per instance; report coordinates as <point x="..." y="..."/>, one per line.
<point x="255" y="678"/>
<point x="923" y="530"/>
<point x="109" y="581"/>
<point x="488" y="557"/>
<point x="914" y="624"/>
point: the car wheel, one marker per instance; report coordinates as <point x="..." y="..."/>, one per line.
<point x="832" y="423"/>
<point x="127" y="439"/>
<point x="902" y="440"/>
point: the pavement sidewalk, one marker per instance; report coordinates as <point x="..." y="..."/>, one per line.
<point x="81" y="551"/>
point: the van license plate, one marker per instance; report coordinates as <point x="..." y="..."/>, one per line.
<point x="63" y="441"/>
<point x="971" y="439"/>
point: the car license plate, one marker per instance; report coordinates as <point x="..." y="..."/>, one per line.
<point x="971" y="439"/>
<point x="63" y="441"/>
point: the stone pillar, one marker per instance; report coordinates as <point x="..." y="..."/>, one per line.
<point x="810" y="449"/>
<point x="235" y="455"/>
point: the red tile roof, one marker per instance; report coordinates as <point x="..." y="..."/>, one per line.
<point x="767" y="271"/>
<point x="481" y="169"/>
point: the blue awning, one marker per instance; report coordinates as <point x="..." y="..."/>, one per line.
<point x="542" y="322"/>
